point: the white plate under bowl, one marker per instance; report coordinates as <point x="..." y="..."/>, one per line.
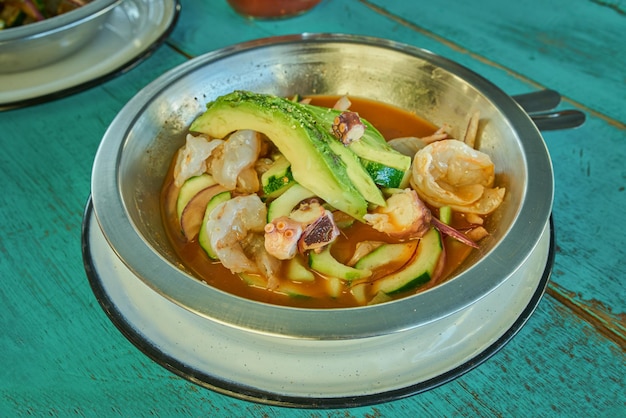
<point x="145" y="23"/>
<point x="311" y="373"/>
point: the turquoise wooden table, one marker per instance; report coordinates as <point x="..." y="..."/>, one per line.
<point x="63" y="357"/>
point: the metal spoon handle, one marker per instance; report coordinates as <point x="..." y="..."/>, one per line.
<point x="564" y="119"/>
<point x="538" y="101"/>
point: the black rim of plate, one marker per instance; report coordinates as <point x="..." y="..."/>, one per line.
<point x="244" y="392"/>
<point x="116" y="72"/>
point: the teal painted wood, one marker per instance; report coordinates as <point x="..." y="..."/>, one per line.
<point x="575" y="48"/>
<point x="89" y="369"/>
<point x="62" y="356"/>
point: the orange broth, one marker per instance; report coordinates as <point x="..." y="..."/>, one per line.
<point x="392" y="122"/>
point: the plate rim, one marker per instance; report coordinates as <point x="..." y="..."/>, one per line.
<point x="244" y="392"/>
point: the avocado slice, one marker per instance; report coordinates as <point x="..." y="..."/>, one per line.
<point x="319" y="162"/>
<point x="386" y="166"/>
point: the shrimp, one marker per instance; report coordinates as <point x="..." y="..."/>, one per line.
<point x="405" y="216"/>
<point x="268" y="265"/>
<point x="191" y="159"/>
<point x="232" y="164"/>
<point x="231" y="223"/>
<point x="451" y="173"/>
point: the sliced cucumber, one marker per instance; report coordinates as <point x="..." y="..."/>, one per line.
<point x="193" y="214"/>
<point x="342" y="220"/>
<point x="288" y="289"/>
<point x="359" y="292"/>
<point x="324" y="263"/>
<point x="254" y="280"/>
<point x="388" y="257"/>
<point x="418" y="270"/>
<point x="445" y="214"/>
<point x="293" y="290"/>
<point x="277" y="178"/>
<point x="286" y="202"/>
<point x="190" y="188"/>
<point x="383" y="175"/>
<point x="204" y="238"/>
<point x="334" y="286"/>
<point x="297" y="271"/>
<point x="380" y="297"/>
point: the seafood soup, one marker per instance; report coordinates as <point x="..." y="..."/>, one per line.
<point x="325" y="201"/>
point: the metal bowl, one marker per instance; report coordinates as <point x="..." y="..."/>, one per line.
<point x="137" y="148"/>
<point x="37" y="44"/>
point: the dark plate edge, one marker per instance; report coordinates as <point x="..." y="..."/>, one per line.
<point x="247" y="393"/>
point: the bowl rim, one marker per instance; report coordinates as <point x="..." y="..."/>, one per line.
<point x="58" y="23"/>
<point x="337" y="323"/>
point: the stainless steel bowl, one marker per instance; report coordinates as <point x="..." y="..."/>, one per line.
<point x="37" y="44"/>
<point x="135" y="152"/>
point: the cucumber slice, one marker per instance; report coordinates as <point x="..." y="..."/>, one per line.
<point x="418" y="270"/>
<point x="254" y="280"/>
<point x="190" y="188"/>
<point x="287" y="289"/>
<point x="191" y="219"/>
<point x="204" y="238"/>
<point x="324" y="263"/>
<point x="334" y="286"/>
<point x="383" y="175"/>
<point x="445" y="214"/>
<point x="359" y="292"/>
<point x="297" y="271"/>
<point x="387" y="258"/>
<point x="286" y="202"/>
<point x="380" y="297"/>
<point x="277" y="178"/>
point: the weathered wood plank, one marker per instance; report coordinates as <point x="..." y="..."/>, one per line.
<point x="576" y="49"/>
<point x="62" y="356"/>
<point x="556" y="366"/>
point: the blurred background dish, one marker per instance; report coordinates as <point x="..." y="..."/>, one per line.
<point x="36" y="44"/>
<point x="272" y="9"/>
<point x="110" y="53"/>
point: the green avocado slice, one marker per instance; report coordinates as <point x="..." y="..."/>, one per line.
<point x="319" y="162"/>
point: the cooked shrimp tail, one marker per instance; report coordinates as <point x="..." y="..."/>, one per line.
<point x="191" y="158"/>
<point x="230" y="223"/>
<point x="405" y="216"/>
<point x="451" y="173"/>
<point x="457" y="235"/>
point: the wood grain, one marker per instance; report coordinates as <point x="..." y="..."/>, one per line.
<point x="63" y="357"/>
